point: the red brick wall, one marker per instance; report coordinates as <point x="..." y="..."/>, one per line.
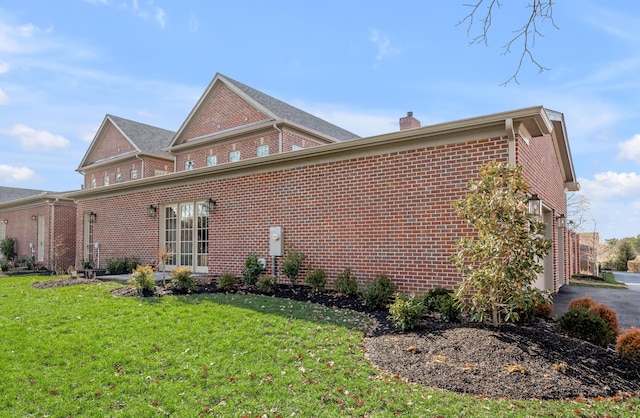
<point x="544" y="177"/>
<point x="24" y="229"/>
<point x="112" y="143"/>
<point x="223" y="110"/>
<point x="144" y="170"/>
<point x="386" y="214"/>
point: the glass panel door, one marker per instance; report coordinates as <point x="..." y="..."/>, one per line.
<point x="186" y="235"/>
<point x="202" y="237"/>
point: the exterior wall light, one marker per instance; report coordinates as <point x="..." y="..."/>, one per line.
<point x="5" y="221"/>
<point x="92" y="217"/>
<point x="562" y="221"/>
<point x="211" y="205"/>
<point x="152" y="211"/>
<point x="535" y="205"/>
<point x="34" y="217"/>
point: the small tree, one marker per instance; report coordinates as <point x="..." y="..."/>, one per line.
<point x="292" y="264"/>
<point x="626" y="252"/>
<point x="8" y="248"/>
<point x="501" y="263"/>
<point x="252" y="269"/>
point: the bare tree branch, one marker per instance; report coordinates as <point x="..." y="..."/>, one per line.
<point x="541" y="10"/>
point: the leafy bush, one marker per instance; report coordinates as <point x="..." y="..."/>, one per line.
<point x="4" y="266"/>
<point x="628" y="344"/>
<point x="252" y="269"/>
<point x="292" y="264"/>
<point x="142" y="278"/>
<point x="317" y="279"/>
<point x="608" y="315"/>
<point x="543" y="309"/>
<point x="346" y="284"/>
<point x="182" y="280"/>
<point x="431" y="299"/>
<point x="586" y="325"/>
<point x="121" y="265"/>
<point x="448" y="309"/>
<point x="8" y="248"/>
<point x="582" y="302"/>
<point x="267" y="284"/>
<point x="405" y="312"/>
<point x="226" y="281"/>
<point x="378" y="293"/>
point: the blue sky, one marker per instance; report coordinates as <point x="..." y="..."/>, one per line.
<point x="359" y="64"/>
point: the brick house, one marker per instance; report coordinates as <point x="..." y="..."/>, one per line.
<point x="42" y="223"/>
<point x="244" y="164"/>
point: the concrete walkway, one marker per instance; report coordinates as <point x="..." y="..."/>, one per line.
<point x="626" y="302"/>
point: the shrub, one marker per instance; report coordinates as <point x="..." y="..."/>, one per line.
<point x="628" y="344"/>
<point x="182" y="280"/>
<point x="226" y="281"/>
<point x="377" y="293"/>
<point x="582" y="302"/>
<point x="608" y="315"/>
<point x="586" y="325"/>
<point x="4" y="266"/>
<point x="317" y="279"/>
<point x="252" y="269"/>
<point x="448" y="309"/>
<point x="142" y="278"/>
<point x="292" y="264"/>
<point x="8" y="248"/>
<point x="405" y="312"/>
<point x="267" y="284"/>
<point x="346" y="284"/>
<point x="431" y="299"/>
<point x="121" y="265"/>
<point x="543" y="309"/>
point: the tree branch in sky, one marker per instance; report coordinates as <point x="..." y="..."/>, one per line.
<point x="523" y="37"/>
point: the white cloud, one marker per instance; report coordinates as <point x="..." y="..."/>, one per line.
<point x="17" y="174"/>
<point x="630" y="150"/>
<point x="88" y="132"/>
<point x="612" y="185"/>
<point x="4" y="67"/>
<point x="4" y="99"/>
<point x="161" y="17"/>
<point x="34" y="140"/>
<point x="383" y="43"/>
<point x="194" y="24"/>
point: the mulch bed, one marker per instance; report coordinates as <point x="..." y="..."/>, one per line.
<point x="514" y="362"/>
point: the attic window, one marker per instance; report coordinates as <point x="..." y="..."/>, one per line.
<point x="263" y="150"/>
<point x="189" y="165"/>
<point x="234" y="156"/>
<point x="118" y="178"/>
<point x="212" y="160"/>
<point x="134" y="174"/>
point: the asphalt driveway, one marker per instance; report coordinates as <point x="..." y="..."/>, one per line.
<point x="626" y="303"/>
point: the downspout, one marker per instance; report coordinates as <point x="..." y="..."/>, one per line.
<point x="141" y="166"/>
<point x="508" y="126"/>
<point x="52" y="233"/>
<point x="275" y="126"/>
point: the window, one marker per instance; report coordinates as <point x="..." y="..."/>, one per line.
<point x="186" y="235"/>
<point x="234" y="156"/>
<point x="189" y="165"/>
<point x="212" y="160"/>
<point x="118" y="178"/>
<point x="296" y="148"/>
<point x="160" y="172"/>
<point x="263" y="150"/>
<point x="106" y="180"/>
<point x="93" y="183"/>
<point x="3" y="229"/>
<point x="134" y="174"/>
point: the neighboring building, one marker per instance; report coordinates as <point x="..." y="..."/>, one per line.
<point x="252" y="173"/>
<point x="42" y="223"/>
<point x="589" y="245"/>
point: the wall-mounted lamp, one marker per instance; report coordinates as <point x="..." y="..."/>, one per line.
<point x="571" y="225"/>
<point x="535" y="205"/>
<point x="92" y="217"/>
<point x="561" y="219"/>
<point x="152" y="211"/>
<point x="5" y="221"/>
<point x="211" y="205"/>
<point x="34" y="217"/>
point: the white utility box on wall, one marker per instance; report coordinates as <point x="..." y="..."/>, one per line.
<point x="276" y="241"/>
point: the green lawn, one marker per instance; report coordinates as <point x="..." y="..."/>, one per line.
<point x="78" y="351"/>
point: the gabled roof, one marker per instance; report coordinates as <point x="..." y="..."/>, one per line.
<point x="8" y="194"/>
<point x="277" y="110"/>
<point x="144" y="138"/>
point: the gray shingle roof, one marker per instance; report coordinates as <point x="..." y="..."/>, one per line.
<point x="8" y="194"/>
<point x="293" y="114"/>
<point x="147" y="138"/>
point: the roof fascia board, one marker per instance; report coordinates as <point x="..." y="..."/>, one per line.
<point x="45" y="198"/>
<point x="429" y="136"/>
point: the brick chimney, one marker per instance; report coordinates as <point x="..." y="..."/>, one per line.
<point x="409" y="122"/>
